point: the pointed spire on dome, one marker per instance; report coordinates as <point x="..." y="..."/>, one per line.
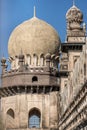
<point x="34" y="11"/>
<point x="73" y="2"/>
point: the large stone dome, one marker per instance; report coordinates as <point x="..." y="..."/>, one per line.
<point x="33" y="36"/>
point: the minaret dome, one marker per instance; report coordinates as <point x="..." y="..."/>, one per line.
<point x="74" y="14"/>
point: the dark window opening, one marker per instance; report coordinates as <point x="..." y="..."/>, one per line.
<point x="34" y="79"/>
<point x="84" y="69"/>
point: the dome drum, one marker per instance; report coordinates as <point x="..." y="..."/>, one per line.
<point x="34" y="61"/>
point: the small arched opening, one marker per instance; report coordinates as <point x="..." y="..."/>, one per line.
<point x="34" y="118"/>
<point x="10" y="113"/>
<point x="34" y="79"/>
<point x="28" y="59"/>
<point x="35" y="60"/>
<point x="42" y="60"/>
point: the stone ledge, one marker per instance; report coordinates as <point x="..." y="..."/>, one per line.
<point x="34" y="129"/>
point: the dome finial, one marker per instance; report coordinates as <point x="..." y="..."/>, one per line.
<point x="34" y="11"/>
<point x="73" y="2"/>
<point x="3" y="54"/>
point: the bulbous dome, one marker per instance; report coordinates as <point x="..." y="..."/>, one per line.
<point x="74" y="14"/>
<point x="33" y="36"/>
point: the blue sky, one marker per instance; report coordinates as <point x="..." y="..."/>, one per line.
<point x="13" y="12"/>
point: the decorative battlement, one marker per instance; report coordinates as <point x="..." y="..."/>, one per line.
<point x="31" y="70"/>
<point x="48" y="66"/>
<point x="17" y="62"/>
<point x="29" y="75"/>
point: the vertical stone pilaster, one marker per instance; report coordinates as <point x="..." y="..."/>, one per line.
<point x="53" y="110"/>
<point x="23" y="111"/>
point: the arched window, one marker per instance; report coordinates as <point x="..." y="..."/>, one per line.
<point x="16" y="62"/>
<point x="34" y="118"/>
<point x="35" y="59"/>
<point x="41" y="60"/>
<point x="10" y="113"/>
<point x="75" y="61"/>
<point x="28" y="59"/>
<point x="34" y="79"/>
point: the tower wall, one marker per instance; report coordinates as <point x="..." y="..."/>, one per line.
<point x="21" y="105"/>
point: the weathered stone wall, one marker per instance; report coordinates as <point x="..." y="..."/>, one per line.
<point x="16" y="78"/>
<point x="79" y="74"/>
<point x="66" y="90"/>
<point x="21" y="104"/>
<point x="74" y="116"/>
<point x="63" y="94"/>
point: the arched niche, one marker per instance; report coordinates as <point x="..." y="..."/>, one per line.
<point x="16" y="62"/>
<point x="34" y="118"/>
<point x="35" y="59"/>
<point x="42" y="60"/>
<point x="10" y="113"/>
<point x="28" y="59"/>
